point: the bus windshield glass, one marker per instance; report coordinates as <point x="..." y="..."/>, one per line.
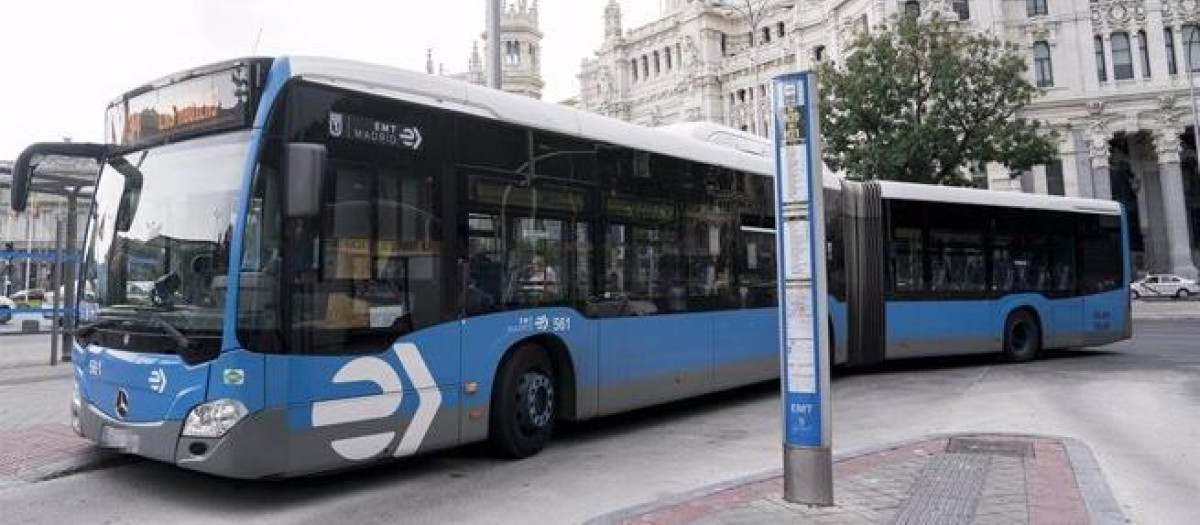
<point x="158" y="244"/>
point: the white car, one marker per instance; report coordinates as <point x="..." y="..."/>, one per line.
<point x="7" y="306"/>
<point x="1164" y="285"/>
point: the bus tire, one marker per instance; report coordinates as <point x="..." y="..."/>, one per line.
<point x="1182" y="294"/>
<point x="1022" y="337"/>
<point x="523" y="403"/>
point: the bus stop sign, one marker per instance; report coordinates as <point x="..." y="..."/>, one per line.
<point x="808" y="460"/>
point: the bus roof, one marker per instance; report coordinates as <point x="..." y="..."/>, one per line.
<point x="1009" y="199"/>
<point x="464" y="97"/>
<point x="705" y="142"/>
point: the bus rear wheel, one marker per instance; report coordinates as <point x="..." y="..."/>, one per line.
<point x="523" y="403"/>
<point x="1022" y="337"/>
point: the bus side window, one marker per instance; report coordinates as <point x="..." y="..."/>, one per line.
<point x="368" y="269"/>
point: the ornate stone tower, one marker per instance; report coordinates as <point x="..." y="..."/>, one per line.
<point x="521" y="49"/>
<point x="475" y="67"/>
<point x="612" y="23"/>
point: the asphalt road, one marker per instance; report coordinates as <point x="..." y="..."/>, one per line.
<point x="1137" y="404"/>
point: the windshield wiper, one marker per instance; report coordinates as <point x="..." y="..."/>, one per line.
<point x="84" y="332"/>
<point x="170" y="329"/>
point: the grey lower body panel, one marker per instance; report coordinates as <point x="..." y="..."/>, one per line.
<point x="253" y="449"/>
<point x="265" y="445"/>
<point x="153" y="440"/>
<point x="942" y="347"/>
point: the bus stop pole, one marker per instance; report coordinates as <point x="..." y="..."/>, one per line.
<point x="807" y="446"/>
<point x="70" y="274"/>
<point x="56" y="289"/>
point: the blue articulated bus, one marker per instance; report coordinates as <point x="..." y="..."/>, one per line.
<point x="298" y="265"/>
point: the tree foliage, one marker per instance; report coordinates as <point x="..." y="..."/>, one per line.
<point x="925" y="102"/>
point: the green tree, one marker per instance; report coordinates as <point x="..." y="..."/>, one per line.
<point x="925" y="102"/>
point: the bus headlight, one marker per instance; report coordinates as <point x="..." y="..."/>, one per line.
<point x="214" y="418"/>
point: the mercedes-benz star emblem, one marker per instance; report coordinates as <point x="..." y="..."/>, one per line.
<point x="122" y="404"/>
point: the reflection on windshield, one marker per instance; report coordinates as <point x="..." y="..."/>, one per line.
<point x="161" y="230"/>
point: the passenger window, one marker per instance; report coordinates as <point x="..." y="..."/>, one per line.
<point x="368" y="269"/>
<point x="907" y="247"/>
<point x="1101" y="253"/>
<point x="708" y="221"/>
<point x="957" y="261"/>
<point x="755" y="255"/>
<point x="528" y="246"/>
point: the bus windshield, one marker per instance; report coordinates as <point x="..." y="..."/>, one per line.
<point x="158" y="244"/>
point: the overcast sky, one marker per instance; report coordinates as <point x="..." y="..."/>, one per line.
<point x="62" y="61"/>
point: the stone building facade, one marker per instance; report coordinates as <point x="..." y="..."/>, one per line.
<point x="1112" y="73"/>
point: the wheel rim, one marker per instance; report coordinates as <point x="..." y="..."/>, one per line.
<point x="535" y="402"/>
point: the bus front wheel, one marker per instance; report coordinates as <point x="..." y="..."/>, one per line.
<point x="1022" y="337"/>
<point x="523" y="403"/>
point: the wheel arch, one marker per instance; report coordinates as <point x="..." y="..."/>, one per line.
<point x="564" y="369"/>
<point x="1037" y="319"/>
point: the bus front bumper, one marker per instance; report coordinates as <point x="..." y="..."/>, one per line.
<point x="254" y="448"/>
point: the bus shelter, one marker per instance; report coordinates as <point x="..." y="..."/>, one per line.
<point x="64" y="185"/>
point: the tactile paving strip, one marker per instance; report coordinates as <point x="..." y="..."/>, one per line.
<point x="946" y="491"/>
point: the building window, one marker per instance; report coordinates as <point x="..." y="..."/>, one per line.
<point x="512" y="53"/>
<point x="657" y="64"/>
<point x="1191" y="47"/>
<point x="1054" y="178"/>
<point x="1144" y="52"/>
<point x="1122" y="56"/>
<point x="1036" y="7"/>
<point x="963" y="9"/>
<point x="766" y="38"/>
<point x="818" y="53"/>
<point x="912" y="9"/>
<point x="645" y="67"/>
<point x="724" y="43"/>
<point x="780" y="30"/>
<point x="1169" y="36"/>
<point x="634" y="69"/>
<point x="1101" y="72"/>
<point x="667" y="55"/>
<point x="1042" y="67"/>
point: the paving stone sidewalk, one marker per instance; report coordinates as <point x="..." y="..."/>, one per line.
<point x="35" y="402"/>
<point x="964" y="479"/>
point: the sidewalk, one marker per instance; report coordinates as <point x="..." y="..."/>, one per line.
<point x="967" y="479"/>
<point x="1166" y="310"/>
<point x="35" y="401"/>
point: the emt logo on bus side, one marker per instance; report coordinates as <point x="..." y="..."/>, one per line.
<point x="380" y="406"/>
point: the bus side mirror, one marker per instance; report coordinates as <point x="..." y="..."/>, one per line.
<point x="304" y="179"/>
<point x="23" y="167"/>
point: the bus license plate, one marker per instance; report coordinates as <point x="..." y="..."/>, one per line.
<point x="118" y="438"/>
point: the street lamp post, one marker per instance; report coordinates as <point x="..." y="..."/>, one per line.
<point x="1191" y="74"/>
<point x="494" y="74"/>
